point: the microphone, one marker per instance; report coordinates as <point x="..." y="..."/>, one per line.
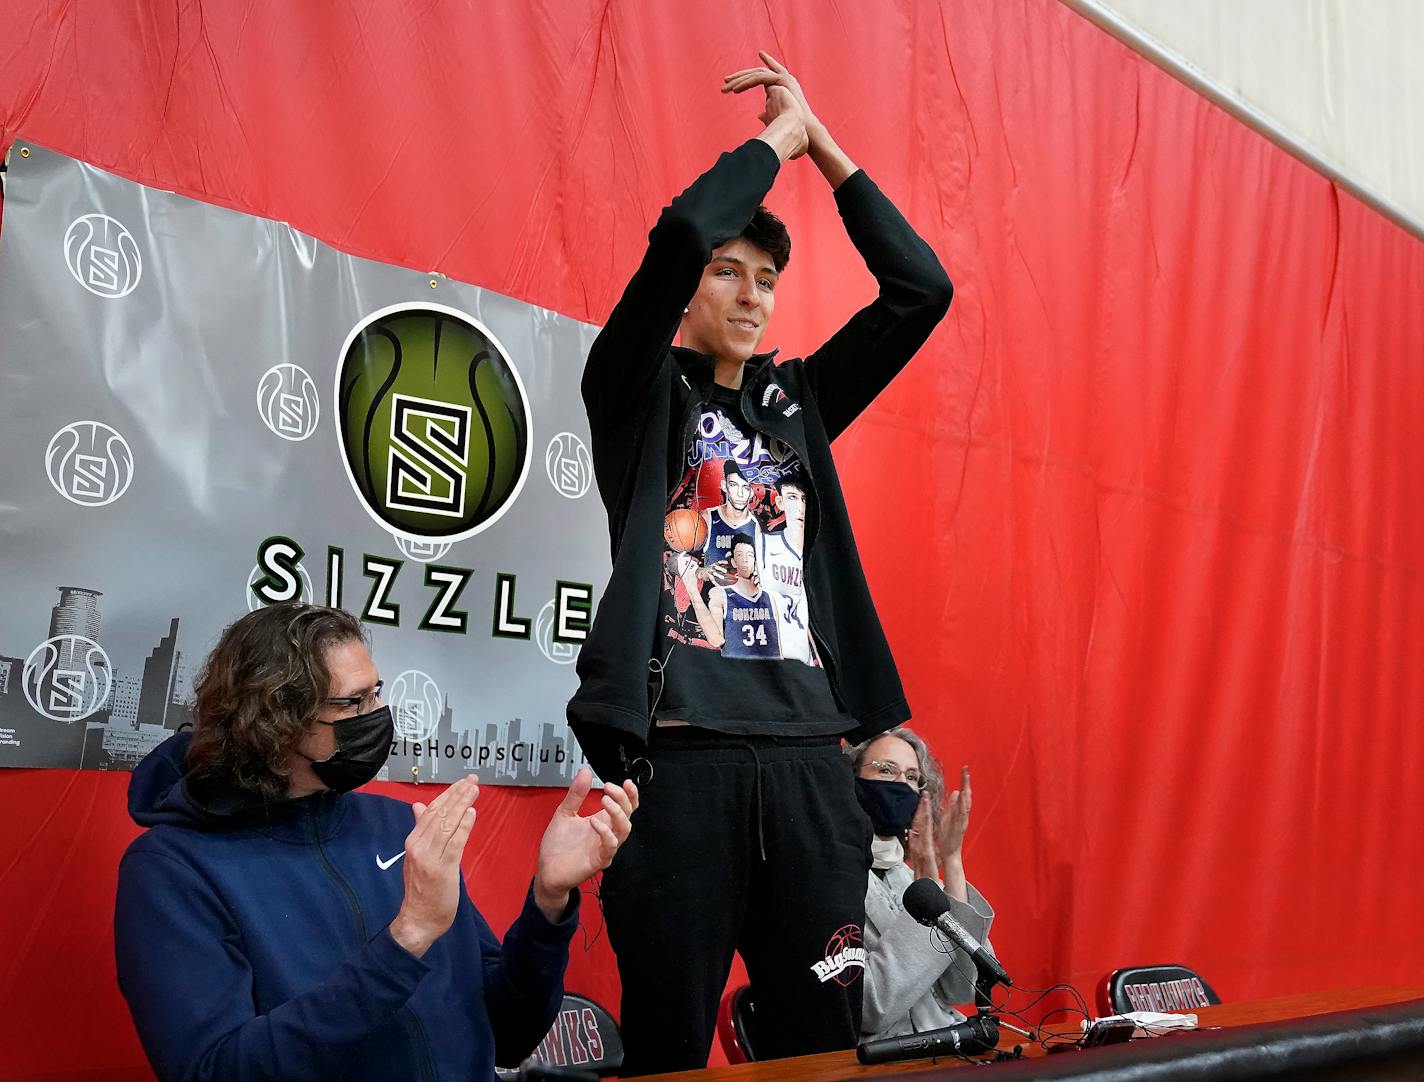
<point x="928" y="904"/>
<point x="978" y="1034"/>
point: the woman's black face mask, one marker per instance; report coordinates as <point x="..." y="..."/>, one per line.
<point x="890" y="804"/>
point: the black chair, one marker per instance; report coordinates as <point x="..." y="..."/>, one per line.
<point x="1169" y="989"/>
<point x="583" y="1037"/>
<point x="734" y="1023"/>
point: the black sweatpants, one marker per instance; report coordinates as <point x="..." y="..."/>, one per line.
<point x="754" y="844"/>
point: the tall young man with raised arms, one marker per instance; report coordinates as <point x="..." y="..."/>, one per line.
<point x="750" y="836"/>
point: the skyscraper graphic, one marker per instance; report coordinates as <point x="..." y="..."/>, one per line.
<point x="552" y="751"/>
<point x="64" y="678"/>
<point x="56" y="686"/>
<point x="181" y="681"/>
<point x="123" y="710"/>
<point x="439" y="767"/>
<point x="512" y="740"/>
<point x="11" y="669"/>
<point x="77" y="613"/>
<point x="160" y="673"/>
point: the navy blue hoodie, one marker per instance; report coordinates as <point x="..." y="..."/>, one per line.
<point x="252" y="943"/>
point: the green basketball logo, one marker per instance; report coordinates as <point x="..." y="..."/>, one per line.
<point x="432" y="420"/>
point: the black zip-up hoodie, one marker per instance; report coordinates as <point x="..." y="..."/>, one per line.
<point x="644" y="396"/>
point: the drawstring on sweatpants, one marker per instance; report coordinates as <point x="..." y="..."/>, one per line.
<point x="760" y="804"/>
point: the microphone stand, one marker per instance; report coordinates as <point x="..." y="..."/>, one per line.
<point x="983" y="985"/>
<point x="984" y="1016"/>
<point x="986" y="1023"/>
<point x="984" y="1008"/>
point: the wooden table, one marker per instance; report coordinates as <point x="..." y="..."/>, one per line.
<point x="836" y="1066"/>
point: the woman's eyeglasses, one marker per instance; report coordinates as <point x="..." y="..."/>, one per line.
<point x="887" y="771"/>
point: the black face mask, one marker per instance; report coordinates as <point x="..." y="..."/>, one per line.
<point x="890" y="804"/>
<point x="363" y="744"/>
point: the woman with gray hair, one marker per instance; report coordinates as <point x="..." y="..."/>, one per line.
<point x="911" y="982"/>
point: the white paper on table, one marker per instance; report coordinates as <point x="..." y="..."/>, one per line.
<point x="1149" y="1023"/>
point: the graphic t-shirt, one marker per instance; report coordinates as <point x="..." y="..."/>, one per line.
<point x="736" y="647"/>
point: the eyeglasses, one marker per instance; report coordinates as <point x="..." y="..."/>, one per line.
<point x="357" y="704"/>
<point x="888" y="771"/>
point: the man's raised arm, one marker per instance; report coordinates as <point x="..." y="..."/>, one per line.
<point x="861" y="359"/>
<point x="627" y="353"/>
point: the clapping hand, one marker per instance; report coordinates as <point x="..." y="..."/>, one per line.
<point x="792" y="128"/>
<point x="952" y="826"/>
<point x="787" y="118"/>
<point x="771" y="73"/>
<point x="576" y="846"/>
<point x="955" y="821"/>
<point x="920" y="852"/>
<point x="432" y="866"/>
<point x="781" y="105"/>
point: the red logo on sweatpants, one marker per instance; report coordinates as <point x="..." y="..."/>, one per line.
<point x="845" y="957"/>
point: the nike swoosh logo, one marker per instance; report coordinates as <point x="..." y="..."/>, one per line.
<point x="384" y="864"/>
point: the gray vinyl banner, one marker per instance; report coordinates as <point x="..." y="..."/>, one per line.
<point x="202" y="412"/>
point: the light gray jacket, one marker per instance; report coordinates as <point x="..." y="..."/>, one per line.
<point x="910" y="986"/>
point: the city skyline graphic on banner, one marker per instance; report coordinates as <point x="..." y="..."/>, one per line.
<point x="65" y="704"/>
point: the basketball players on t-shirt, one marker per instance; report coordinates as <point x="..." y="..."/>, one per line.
<point x="734" y="516"/>
<point x="742" y="619"/>
<point x="780" y="569"/>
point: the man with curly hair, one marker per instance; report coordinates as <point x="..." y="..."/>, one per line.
<point x="271" y="923"/>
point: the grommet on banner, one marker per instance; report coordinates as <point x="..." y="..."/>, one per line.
<point x="415" y="773"/>
<point x="433" y="283"/>
<point x="24" y="152"/>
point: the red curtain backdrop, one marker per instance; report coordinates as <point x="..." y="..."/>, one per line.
<point x="1142" y="520"/>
